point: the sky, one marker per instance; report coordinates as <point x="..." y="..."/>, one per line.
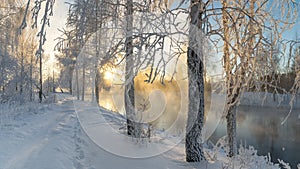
<point x="57" y="21"/>
<point x="291" y="34"/>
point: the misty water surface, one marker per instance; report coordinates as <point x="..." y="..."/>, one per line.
<point x="261" y="127"/>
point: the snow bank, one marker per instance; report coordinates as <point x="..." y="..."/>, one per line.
<point x="50" y="136"/>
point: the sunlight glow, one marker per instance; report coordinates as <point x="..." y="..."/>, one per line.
<point x="108" y="75"/>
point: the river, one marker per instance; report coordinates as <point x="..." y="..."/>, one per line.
<point x="261" y="127"/>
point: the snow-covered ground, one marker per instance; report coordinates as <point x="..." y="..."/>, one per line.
<point x="71" y="135"/>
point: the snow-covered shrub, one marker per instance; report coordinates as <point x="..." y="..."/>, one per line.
<point x="284" y="164"/>
<point x="12" y="111"/>
<point x="247" y="157"/>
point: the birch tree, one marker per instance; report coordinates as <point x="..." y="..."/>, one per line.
<point x="129" y="74"/>
<point x="45" y="21"/>
<point x="193" y="140"/>
<point x="15" y="52"/>
<point x="244" y="27"/>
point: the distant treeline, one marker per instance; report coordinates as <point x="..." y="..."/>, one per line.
<point x="277" y="83"/>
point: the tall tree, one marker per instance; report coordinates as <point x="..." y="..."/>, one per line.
<point x="132" y="126"/>
<point x="231" y="114"/>
<point x="15" y="53"/>
<point x="244" y="25"/>
<point x="48" y="11"/>
<point x="193" y="140"/>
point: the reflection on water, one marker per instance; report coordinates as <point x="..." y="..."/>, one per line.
<point x="106" y="101"/>
<point x="156" y="103"/>
<point x="256" y="125"/>
<point x="261" y="127"/>
<point x="164" y="106"/>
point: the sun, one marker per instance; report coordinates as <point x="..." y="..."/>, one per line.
<point x="108" y="75"/>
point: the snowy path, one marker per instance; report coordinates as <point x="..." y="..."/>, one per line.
<point x="54" y="139"/>
<point x="46" y="140"/>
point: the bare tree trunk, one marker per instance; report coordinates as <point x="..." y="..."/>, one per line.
<point x="83" y="83"/>
<point x="31" y="79"/>
<point x="2" y="75"/>
<point x="22" y="73"/>
<point x="41" y="81"/>
<point x="48" y="83"/>
<point x="71" y="71"/>
<point x="17" y="77"/>
<point x="132" y="126"/>
<point x="93" y="85"/>
<point x="70" y="85"/>
<point x="231" y="100"/>
<point x="231" y="131"/>
<point x="97" y="76"/>
<point x="77" y="84"/>
<point x="193" y="141"/>
<point x="129" y="80"/>
<point x="53" y="86"/>
<point x="41" y="43"/>
<point x="2" y="80"/>
<point x="97" y="89"/>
